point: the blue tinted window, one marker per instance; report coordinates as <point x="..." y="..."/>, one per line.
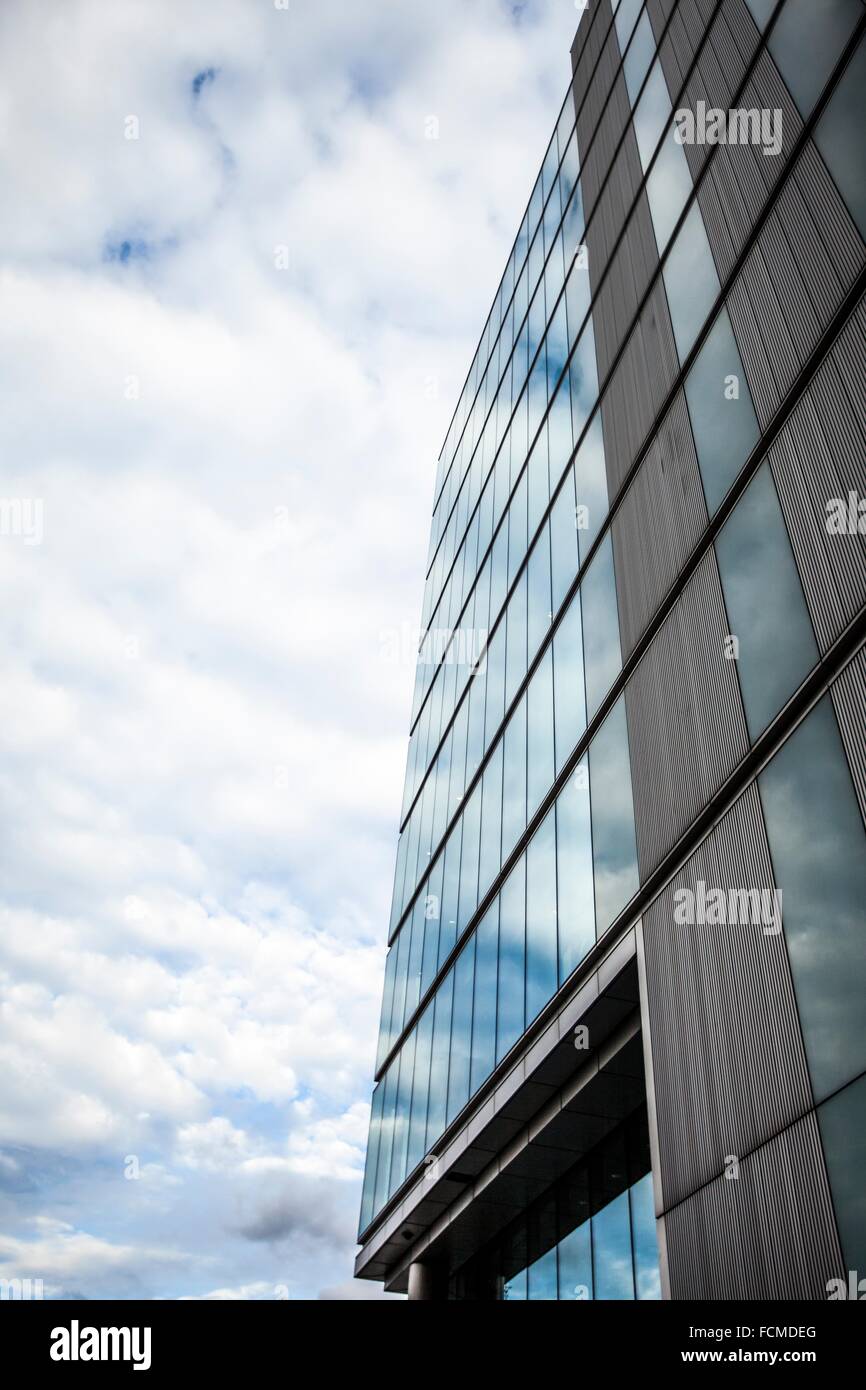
<point x="514" y="780"/>
<point x="614" y="855"/>
<point x="765" y="603"/>
<point x="807" y="41"/>
<point x="576" y="903"/>
<point x="510" y="1016"/>
<point x="817" y="842"/>
<point x="839" y="137"/>
<point x="541" y="948"/>
<point x="690" y="280"/>
<point x="644" y="1241"/>
<point x="540" y="761"/>
<point x="570" y="698"/>
<point x="601" y="647"/>
<point x="484" y="1005"/>
<point x="611" y="1250"/>
<point x="461" y="1030"/>
<point x="843" y="1131"/>
<point x="720" y="405"/>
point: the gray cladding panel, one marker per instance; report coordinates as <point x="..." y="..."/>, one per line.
<point x="728" y="1060"/>
<point x="805" y="259"/>
<point x="643" y="376"/>
<point x="849" y="701"/>
<point x="819" y="455"/>
<point x="769" y="1234"/>
<point x="662" y="517"/>
<point x="686" y="726"/>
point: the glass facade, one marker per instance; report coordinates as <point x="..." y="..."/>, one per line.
<point x="592" y="1235"/>
<point x="521" y="830"/>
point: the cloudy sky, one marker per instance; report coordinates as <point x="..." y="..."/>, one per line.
<point x="239" y="293"/>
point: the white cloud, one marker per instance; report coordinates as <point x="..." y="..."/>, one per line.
<point x="201" y="738"/>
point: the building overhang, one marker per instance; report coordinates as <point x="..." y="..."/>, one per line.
<point x="556" y="1100"/>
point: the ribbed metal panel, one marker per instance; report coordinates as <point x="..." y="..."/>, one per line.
<point x="782" y="300"/>
<point x="596" y="146"/>
<point x="849" y="702"/>
<point x="588" y="41"/>
<point x="728" y="1057"/>
<point x="740" y="177"/>
<point x="631" y="270"/>
<point x="686" y="29"/>
<point x="591" y="97"/>
<point x="820" y="454"/>
<point x="658" y="525"/>
<point x="770" y="1234"/>
<point x="645" y="373"/>
<point x="685" y="717"/>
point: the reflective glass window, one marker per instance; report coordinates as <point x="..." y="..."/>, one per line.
<point x="723" y="418"/>
<point x="765" y="603"/>
<point x="816" y="837"/>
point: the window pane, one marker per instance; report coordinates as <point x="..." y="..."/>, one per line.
<point x="491" y="821"/>
<point x="439" y="1061"/>
<point x="484" y="1002"/>
<point x="569" y="696"/>
<point x="542" y="1277"/>
<point x="765" y="603"/>
<point x="807" y="41"/>
<point x="514" y="780"/>
<point x="643" y="1232"/>
<point x="819" y="857"/>
<point x="843" y="1130"/>
<point x="611" y="1248"/>
<point x="690" y="280"/>
<point x="540" y="764"/>
<point x="461" y="1030"/>
<point x="576" y="904"/>
<point x="601" y="648"/>
<point x="420" y="1089"/>
<point x="512" y="960"/>
<point x="614" y="855"/>
<point x="668" y="188"/>
<point x="575" y="1264"/>
<point x="469" y="860"/>
<point x="591" y="481"/>
<point x="724" y="425"/>
<point x="541" y="951"/>
<point x="839" y="137"/>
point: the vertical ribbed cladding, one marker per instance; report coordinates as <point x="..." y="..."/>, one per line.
<point x="658" y="525"/>
<point x="588" y="40"/>
<point x="644" y="375"/>
<point x="631" y="269"/>
<point x="728" y="1059"/>
<point x="849" y="702"/>
<point x="819" y="455"/>
<point x="780" y="302"/>
<point x="769" y="1234"/>
<point x="592" y="85"/>
<point x="598" y="159"/>
<point x="684" y="34"/>
<point x="685" y="717"/>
